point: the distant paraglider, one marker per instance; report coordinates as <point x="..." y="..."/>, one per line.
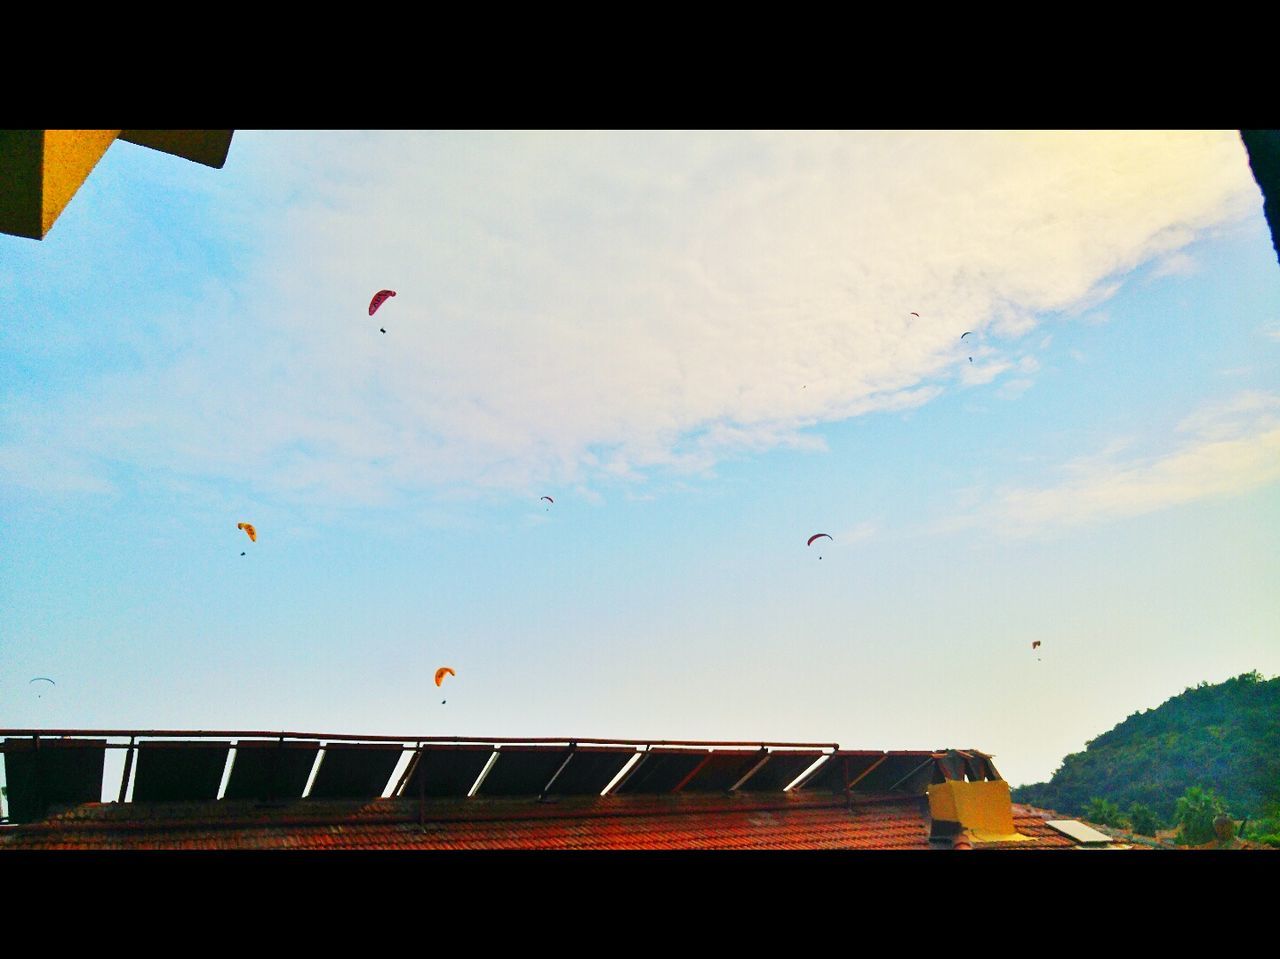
<point x="42" y="679"/>
<point x="963" y="335"/>
<point x="440" y="674"/>
<point x="549" y="500"/>
<point x="250" y="531"/>
<point x="378" y="299"/>
<point x="818" y="536"/>
<point x="1036" y="645"/>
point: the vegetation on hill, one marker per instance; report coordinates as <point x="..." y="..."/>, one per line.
<point x="1223" y="739"/>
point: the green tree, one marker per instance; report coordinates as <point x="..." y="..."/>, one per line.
<point x="1194" y="814"/>
<point x="1143" y="819"/>
<point x="1104" y="813"/>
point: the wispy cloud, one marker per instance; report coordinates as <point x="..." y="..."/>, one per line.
<point x="574" y="307"/>
<point x="1227" y="448"/>
<point x="1176" y="264"/>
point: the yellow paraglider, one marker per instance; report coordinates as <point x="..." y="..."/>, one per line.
<point x="440" y="674"/>
<point x="248" y="528"/>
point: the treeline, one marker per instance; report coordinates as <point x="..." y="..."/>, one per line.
<point x="1222" y="738"/>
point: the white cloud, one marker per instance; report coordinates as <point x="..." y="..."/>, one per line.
<point x="977" y="374"/>
<point x="1229" y="448"/>
<point x="856" y="533"/>
<point x="585" y="305"/>
<point x="1176" y="264"/>
<point x="1014" y="388"/>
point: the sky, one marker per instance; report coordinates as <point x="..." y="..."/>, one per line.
<point x="706" y="347"/>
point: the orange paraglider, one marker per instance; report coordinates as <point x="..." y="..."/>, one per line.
<point x="248" y="528"/>
<point x="441" y="672"/>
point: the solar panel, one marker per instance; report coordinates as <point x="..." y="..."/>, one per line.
<point x="831" y="775"/>
<point x="589" y="771"/>
<point x="443" y="771"/>
<point x="355" y="770"/>
<point x="779" y="772"/>
<point x="60" y="772"/>
<point x="267" y="771"/>
<point x="1078" y="831"/>
<point x="661" y="770"/>
<point x="179" y="771"/>
<point x="900" y="772"/>
<point x="722" y="770"/>
<point x="522" y="771"/>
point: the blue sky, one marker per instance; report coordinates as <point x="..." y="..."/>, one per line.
<point x="702" y="346"/>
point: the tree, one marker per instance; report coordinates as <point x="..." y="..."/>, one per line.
<point x="1143" y="819"/>
<point x="1194" y="814"/>
<point x="1104" y="813"/>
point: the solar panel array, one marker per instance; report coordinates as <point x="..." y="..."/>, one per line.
<point x="46" y="772"/>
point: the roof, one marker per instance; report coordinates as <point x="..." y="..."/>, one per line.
<point x="306" y="791"/>
<point x="789" y="821"/>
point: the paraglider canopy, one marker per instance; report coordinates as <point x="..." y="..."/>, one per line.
<point x="440" y="674"/>
<point x="248" y="528"/>
<point x="548" y="499"/>
<point x="42" y="679"/>
<point x="378" y="299"/>
<point x="817" y="536"/>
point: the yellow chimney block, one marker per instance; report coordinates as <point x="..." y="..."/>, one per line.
<point x="40" y="171"/>
<point x="985" y="809"/>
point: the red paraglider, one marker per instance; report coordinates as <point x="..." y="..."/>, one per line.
<point x="818" y="536"/>
<point x="378" y="299"/>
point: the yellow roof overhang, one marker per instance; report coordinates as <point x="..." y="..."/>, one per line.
<point x="41" y="170"/>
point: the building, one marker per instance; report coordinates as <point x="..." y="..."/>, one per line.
<point x="261" y="790"/>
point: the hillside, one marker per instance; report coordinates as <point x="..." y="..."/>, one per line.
<point x="1224" y="737"/>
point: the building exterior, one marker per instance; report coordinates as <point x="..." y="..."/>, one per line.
<point x="255" y="791"/>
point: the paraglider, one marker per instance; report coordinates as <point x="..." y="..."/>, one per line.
<point x="377" y="301"/>
<point x="917" y="315"/>
<point x="818" y="536"/>
<point x="248" y="528"/>
<point x="549" y="500"/>
<point x="963" y="335"/>
<point x="42" y="679"/>
<point x="1036" y="645"/>
<point x="440" y="673"/>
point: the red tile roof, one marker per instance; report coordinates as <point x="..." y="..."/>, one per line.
<point x="610" y="823"/>
<point x="789" y="822"/>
